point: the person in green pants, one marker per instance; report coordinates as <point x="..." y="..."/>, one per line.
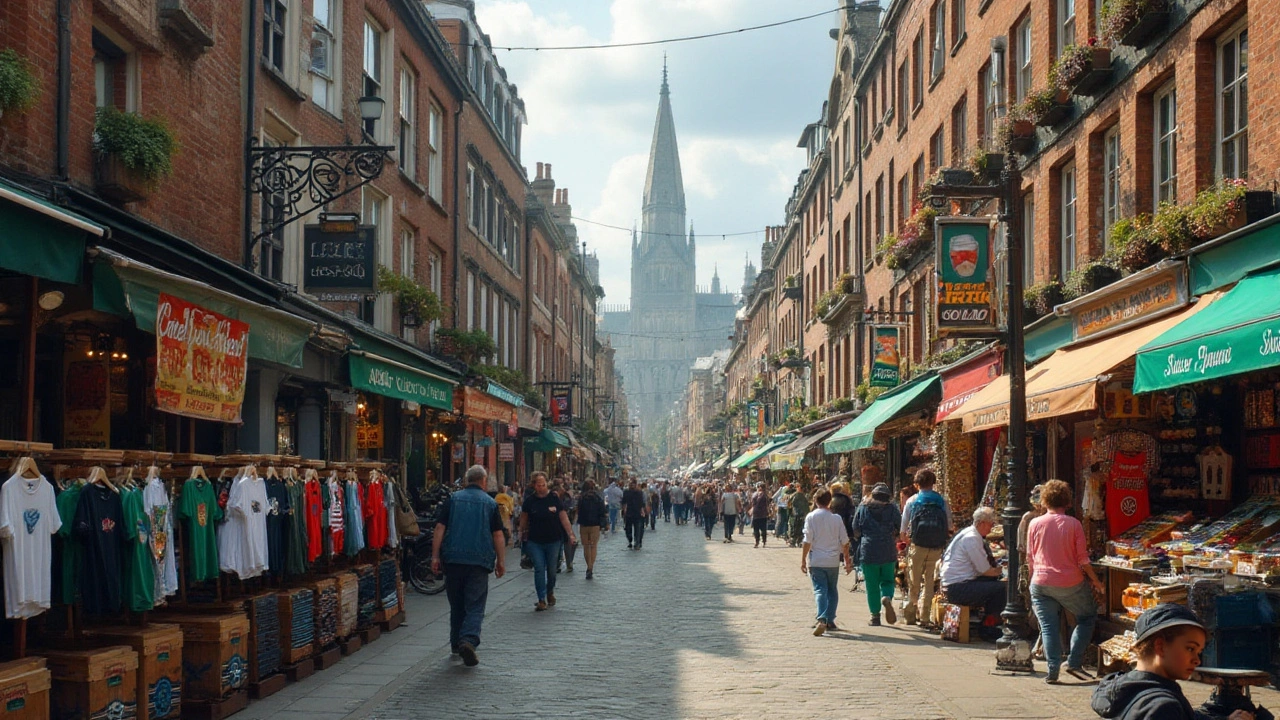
<point x="799" y="504"/>
<point x="875" y="528"/>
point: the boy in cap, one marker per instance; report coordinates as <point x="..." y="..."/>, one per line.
<point x="1169" y="641"/>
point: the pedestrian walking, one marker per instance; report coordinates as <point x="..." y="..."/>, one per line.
<point x="825" y="542"/>
<point x="665" y="496"/>
<point x="799" y="511"/>
<point x="782" y="526"/>
<point x="613" y="496"/>
<point x="634" y="515"/>
<point x="592" y="515"/>
<point x="655" y="506"/>
<point x="689" y="503"/>
<point x="730" y="506"/>
<point x="677" y="503"/>
<point x="467" y="546"/>
<point x="543" y="525"/>
<point x="926" y="526"/>
<point x="842" y="504"/>
<point x="1059" y="563"/>
<point x="709" y="506"/>
<point x="875" y="529"/>
<point x="570" y="505"/>
<point x="761" y="507"/>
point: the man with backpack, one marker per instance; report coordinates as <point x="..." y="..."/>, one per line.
<point x="927" y="526"/>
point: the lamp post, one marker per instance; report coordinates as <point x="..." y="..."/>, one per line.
<point x="1013" y="652"/>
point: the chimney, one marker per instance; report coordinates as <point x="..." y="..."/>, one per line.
<point x="539" y="171"/>
<point x="548" y="171"/>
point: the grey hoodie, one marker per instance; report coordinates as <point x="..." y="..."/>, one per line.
<point x="1140" y="695"/>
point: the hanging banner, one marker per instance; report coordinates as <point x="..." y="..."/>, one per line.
<point x="886" y="363"/>
<point x="1128" y="502"/>
<point x="86" y="417"/>
<point x="966" y="281"/>
<point x="561" y="406"/>
<point x="201" y="361"/>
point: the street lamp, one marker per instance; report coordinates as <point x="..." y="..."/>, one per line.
<point x="1013" y="652"/>
<point x="371" y="107"/>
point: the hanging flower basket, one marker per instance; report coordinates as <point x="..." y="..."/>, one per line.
<point x="117" y="183"/>
<point x="1083" y="69"/>
<point x="1133" y="22"/>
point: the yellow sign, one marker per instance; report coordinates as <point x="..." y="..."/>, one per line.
<point x="1135" y="303"/>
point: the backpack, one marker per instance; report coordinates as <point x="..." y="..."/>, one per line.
<point x="929" y="523"/>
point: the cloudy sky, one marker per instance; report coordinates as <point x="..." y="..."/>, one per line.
<point x="740" y="104"/>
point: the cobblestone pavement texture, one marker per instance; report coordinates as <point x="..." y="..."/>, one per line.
<point x="685" y="628"/>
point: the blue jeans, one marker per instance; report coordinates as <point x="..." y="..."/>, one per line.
<point x="467" y="587"/>
<point x="613" y="518"/>
<point x="545" y="558"/>
<point x="826" y="591"/>
<point x="1048" y="602"/>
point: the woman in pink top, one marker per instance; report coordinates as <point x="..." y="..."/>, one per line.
<point x="1059" y="563"/>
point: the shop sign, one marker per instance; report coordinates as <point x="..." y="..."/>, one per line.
<point x="506" y="452"/>
<point x="479" y="405"/>
<point x="201" y="361"/>
<point x="86" y="418"/>
<point x="368" y="435"/>
<point x="342" y="261"/>
<point x="965" y="382"/>
<point x="886" y="363"/>
<point x="966" y="278"/>
<point x="383" y="378"/>
<point x="504" y="394"/>
<point x="1157" y="294"/>
<point x="479" y="454"/>
<point x="459" y="452"/>
<point x="562" y="406"/>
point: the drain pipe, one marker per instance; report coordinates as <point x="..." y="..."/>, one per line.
<point x="63" y="123"/>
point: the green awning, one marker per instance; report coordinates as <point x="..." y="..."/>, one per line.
<point x="751" y="456"/>
<point x="1238" y="333"/>
<point x="41" y="239"/>
<point x="391" y="379"/>
<point x="508" y="396"/>
<point x="124" y="286"/>
<point x="1228" y="262"/>
<point x="860" y="431"/>
<point x="1045" y="336"/>
<point x="546" y="441"/>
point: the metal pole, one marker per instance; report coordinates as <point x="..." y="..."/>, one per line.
<point x="1013" y="652"/>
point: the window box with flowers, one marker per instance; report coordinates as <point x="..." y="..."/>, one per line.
<point x="1133" y="244"/>
<point x="1039" y="300"/>
<point x="1083" y="69"/>
<point x="418" y="306"/>
<point x="985" y="164"/>
<point x="1047" y="107"/>
<point x="1090" y="276"/>
<point x="19" y="86"/>
<point x="898" y="251"/>
<point x="1133" y="22"/>
<point x="132" y="154"/>
<point x="1226" y="206"/>
<point x="471" y="347"/>
<point x="791" y="288"/>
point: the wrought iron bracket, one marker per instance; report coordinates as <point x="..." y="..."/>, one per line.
<point x="295" y="180"/>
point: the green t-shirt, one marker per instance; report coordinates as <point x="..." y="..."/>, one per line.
<point x="139" y="564"/>
<point x="199" y="507"/>
<point x="67" y="502"/>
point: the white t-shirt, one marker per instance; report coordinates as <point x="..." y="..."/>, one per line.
<point x="965" y="558"/>
<point x="826" y="535"/>
<point x="730" y="501"/>
<point x="242" y="539"/>
<point x="28" y="520"/>
<point x="155" y="502"/>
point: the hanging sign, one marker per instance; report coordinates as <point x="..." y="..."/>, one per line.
<point x="1128" y="502"/>
<point x="1132" y="303"/>
<point x="966" y="281"/>
<point x="886" y="362"/>
<point x="343" y="261"/>
<point x="201" y="361"/>
<point x="86" y="416"/>
<point x="506" y="451"/>
<point x="479" y="405"/>
<point x="561" y="406"/>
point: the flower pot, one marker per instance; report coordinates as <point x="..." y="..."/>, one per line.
<point x="117" y="183"/>
<point x="1099" y="277"/>
<point x="792" y="292"/>
<point x="1145" y="27"/>
<point x="1235" y="222"/>
<point x="1023" y="129"/>
<point x="793" y="363"/>
<point x="1099" y="72"/>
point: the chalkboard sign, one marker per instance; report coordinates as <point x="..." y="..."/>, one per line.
<point x="340" y="261"/>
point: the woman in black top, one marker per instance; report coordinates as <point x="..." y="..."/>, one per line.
<point x="593" y="512"/>
<point x="543" y="522"/>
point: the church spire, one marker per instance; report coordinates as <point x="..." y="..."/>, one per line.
<point x="663" y="210"/>
<point x="665" y="89"/>
<point x="715" y="279"/>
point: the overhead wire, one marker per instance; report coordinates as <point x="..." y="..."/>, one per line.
<point x="681" y="235"/>
<point x="684" y="38"/>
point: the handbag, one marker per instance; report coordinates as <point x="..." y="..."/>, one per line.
<point x="406" y="519"/>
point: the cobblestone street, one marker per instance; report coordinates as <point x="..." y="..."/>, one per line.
<point x="684" y="628"/>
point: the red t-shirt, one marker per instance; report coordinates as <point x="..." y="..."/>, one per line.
<point x="375" y="515"/>
<point x="312" y="510"/>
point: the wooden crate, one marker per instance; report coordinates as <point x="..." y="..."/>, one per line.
<point x="159" y="648"/>
<point x="297" y="624"/>
<point x="94" y="683"/>
<point x="24" y="690"/>
<point x="348" y="603"/>
<point x="214" y="648"/>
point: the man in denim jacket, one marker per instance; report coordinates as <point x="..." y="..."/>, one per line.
<point x="469" y="538"/>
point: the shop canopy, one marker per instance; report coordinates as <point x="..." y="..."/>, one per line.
<point x="965" y="379"/>
<point x="1238" y="333"/>
<point x="546" y="441"/>
<point x="751" y="456"/>
<point x="791" y="456"/>
<point x="124" y="287"/>
<point x="720" y="462"/>
<point x="860" y="432"/>
<point x="389" y="378"/>
<point x="1067" y="381"/>
<point x="40" y="238"/>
